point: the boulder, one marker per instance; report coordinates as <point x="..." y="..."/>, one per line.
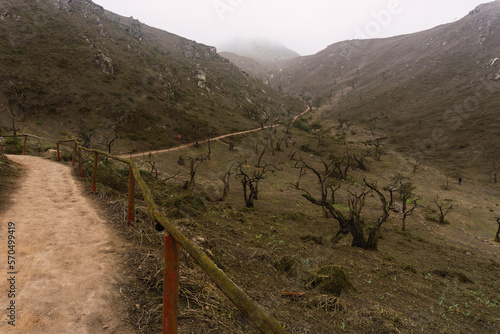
<point x="51" y="154"/>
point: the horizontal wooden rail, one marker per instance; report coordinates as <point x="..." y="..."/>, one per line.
<point x="255" y="313"/>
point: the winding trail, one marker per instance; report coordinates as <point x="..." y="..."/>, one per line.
<point x="134" y="155"/>
<point x="67" y="259"/>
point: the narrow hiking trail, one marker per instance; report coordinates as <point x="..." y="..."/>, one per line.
<point x="180" y="147"/>
<point x="67" y="259"/>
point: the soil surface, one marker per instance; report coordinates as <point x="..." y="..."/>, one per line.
<point x="65" y="277"/>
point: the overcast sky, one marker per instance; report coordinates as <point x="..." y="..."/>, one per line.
<point x="305" y="26"/>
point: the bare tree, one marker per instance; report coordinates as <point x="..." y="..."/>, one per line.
<point x="321" y="135"/>
<point x="342" y="119"/>
<point x="250" y="182"/>
<point x="261" y="155"/>
<point x="153" y="171"/>
<point x="285" y="135"/>
<point x="350" y="221"/>
<point x="374" y="236"/>
<point x="255" y="144"/>
<point x="360" y="160"/>
<point x="85" y="132"/>
<point x="263" y="119"/>
<point x="111" y="139"/>
<point x="18" y="97"/>
<point x="226" y="179"/>
<point x="378" y="146"/>
<point x="210" y="135"/>
<point x="494" y="168"/>
<point x="343" y="164"/>
<point x="194" y="164"/>
<point x="302" y="172"/>
<point x="409" y="201"/>
<point x="444" y="209"/>
<point x="325" y="180"/>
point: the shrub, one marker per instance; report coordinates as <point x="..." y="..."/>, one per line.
<point x="329" y="279"/>
<point x="13" y="145"/>
<point x="299" y="124"/>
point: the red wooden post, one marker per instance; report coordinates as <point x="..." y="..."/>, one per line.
<point x="94" y="172"/>
<point x="170" y="286"/>
<point x="58" y="154"/>
<point x="74" y="155"/>
<point x="80" y="170"/>
<point x="131" y="191"/>
<point x="24" y="146"/>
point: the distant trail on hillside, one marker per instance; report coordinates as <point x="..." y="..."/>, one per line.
<point x="141" y="154"/>
<point x="66" y="263"/>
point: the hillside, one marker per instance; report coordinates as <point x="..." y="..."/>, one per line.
<point x="429" y="98"/>
<point x="430" y="278"/>
<point x="434" y="93"/>
<point x="73" y="66"/>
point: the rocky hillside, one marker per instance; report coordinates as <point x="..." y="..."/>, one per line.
<point x="434" y="93"/>
<point x="74" y="67"/>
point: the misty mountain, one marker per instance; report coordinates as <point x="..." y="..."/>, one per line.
<point x="260" y="50"/>
<point x="71" y="65"/>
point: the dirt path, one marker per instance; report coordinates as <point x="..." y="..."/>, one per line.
<point x="206" y="140"/>
<point x="66" y="258"/>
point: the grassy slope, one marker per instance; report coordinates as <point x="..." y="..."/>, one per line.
<point x="434" y="93"/>
<point x="160" y="85"/>
<point x="432" y="278"/>
<point x="429" y="279"/>
<point x="9" y="172"/>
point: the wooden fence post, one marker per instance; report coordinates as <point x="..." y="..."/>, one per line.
<point x="24" y="146"/>
<point x="74" y="155"/>
<point x="94" y="171"/>
<point x="58" y="154"/>
<point x="80" y="170"/>
<point x="170" y="286"/>
<point x="131" y="196"/>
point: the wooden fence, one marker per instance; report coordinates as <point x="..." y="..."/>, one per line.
<point x="173" y="240"/>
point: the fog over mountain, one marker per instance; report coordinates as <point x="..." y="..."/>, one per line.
<point x="303" y="26"/>
<point x="259" y="49"/>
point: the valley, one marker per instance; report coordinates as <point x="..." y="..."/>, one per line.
<point x="354" y="190"/>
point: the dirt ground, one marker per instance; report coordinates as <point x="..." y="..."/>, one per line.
<point x="66" y="272"/>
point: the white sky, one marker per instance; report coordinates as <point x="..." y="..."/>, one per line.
<point x="305" y="26"/>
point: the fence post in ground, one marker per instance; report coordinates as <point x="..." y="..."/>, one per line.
<point x="94" y="171"/>
<point x="80" y="170"/>
<point x="131" y="196"/>
<point x="74" y="155"/>
<point x="58" y="154"/>
<point x="24" y="146"/>
<point x="170" y="286"/>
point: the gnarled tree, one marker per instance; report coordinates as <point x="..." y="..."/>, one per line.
<point x="350" y="220"/>
<point x="194" y="164"/>
<point x="444" y="208"/>
<point x="374" y="236"/>
<point x="250" y="181"/>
